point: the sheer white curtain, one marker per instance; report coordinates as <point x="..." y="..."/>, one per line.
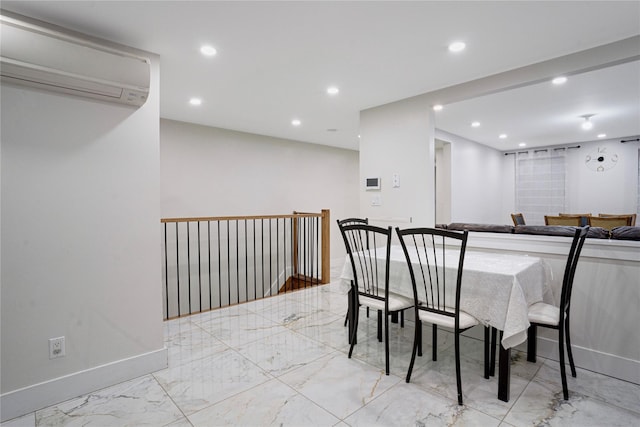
<point x="540" y="184"/>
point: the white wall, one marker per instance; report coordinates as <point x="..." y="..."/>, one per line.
<point x="398" y="139"/>
<point x="215" y="172"/>
<point x="613" y="191"/>
<point x="476" y="181"/>
<point x="443" y="182"/>
<point x="80" y="244"/>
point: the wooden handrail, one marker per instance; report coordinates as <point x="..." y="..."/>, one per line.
<point x="233" y="218"/>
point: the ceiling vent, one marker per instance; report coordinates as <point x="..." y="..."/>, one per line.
<point x="35" y="55"/>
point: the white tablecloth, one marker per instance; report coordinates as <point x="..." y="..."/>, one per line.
<point x="497" y="289"/>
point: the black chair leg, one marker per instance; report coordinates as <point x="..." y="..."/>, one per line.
<point x="492" y="364"/>
<point x="386" y="343"/>
<point x="352" y="311"/>
<point x="563" y="369"/>
<point x="402" y="319"/>
<point x="379" y="325"/>
<point x="487" y="344"/>
<point x="531" y="343"/>
<point x="434" y="342"/>
<point x="417" y="338"/>
<point x="569" y="352"/>
<point x="346" y="317"/>
<point x="394" y="317"/>
<point x="354" y="333"/>
<point x="349" y="306"/>
<point x="419" y="332"/>
<point x="458" y="378"/>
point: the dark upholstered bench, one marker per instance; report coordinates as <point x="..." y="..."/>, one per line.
<point x="486" y="228"/>
<point x="618" y="233"/>
<point x="626" y="233"/>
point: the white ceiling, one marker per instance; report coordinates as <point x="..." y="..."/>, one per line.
<point x="276" y="59"/>
<point x="544" y="114"/>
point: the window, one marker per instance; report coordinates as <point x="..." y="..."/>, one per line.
<point x="540" y="184"/>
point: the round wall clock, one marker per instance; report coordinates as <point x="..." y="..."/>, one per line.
<point x="601" y="160"/>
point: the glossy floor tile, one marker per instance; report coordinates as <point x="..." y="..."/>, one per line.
<point x="283" y="361"/>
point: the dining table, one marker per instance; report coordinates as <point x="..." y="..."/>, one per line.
<point x="497" y="289"/>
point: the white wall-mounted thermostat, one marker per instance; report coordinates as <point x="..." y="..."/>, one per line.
<point x="372" y="183"/>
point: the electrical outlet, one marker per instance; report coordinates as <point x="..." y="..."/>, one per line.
<point x="56" y="348"/>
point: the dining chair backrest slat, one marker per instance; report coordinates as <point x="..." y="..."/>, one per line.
<point x="570" y="268"/>
<point x="610" y="222"/>
<point x="368" y="248"/>
<point x="435" y="259"/>
<point x="631" y="218"/>
<point x="518" y="219"/>
<point x="570" y="220"/>
<point x="352" y="221"/>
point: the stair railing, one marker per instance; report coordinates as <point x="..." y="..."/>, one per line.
<point x="213" y="262"/>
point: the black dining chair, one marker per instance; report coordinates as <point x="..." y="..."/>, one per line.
<point x="344" y="222"/>
<point x="435" y="259"/>
<point x="369" y="249"/>
<point x="550" y="316"/>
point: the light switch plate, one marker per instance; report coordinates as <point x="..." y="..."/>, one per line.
<point x="395" y="180"/>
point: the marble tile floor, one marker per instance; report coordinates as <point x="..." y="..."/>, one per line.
<point x="283" y="361"/>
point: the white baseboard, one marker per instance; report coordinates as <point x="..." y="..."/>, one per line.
<point x="593" y="360"/>
<point x="32" y="398"/>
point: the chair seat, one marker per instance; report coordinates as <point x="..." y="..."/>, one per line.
<point x="466" y="320"/>
<point x="396" y="302"/>
<point x="545" y="314"/>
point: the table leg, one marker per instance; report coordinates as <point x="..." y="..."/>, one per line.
<point x="504" y="373"/>
<point x="531" y="344"/>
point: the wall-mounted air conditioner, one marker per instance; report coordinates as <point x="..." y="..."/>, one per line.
<point x="38" y="55"/>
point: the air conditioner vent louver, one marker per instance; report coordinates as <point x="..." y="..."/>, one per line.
<point x="38" y="56"/>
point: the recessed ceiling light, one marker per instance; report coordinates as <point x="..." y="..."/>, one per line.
<point x="475" y="124"/>
<point x="502" y="136"/>
<point x="296" y="122"/>
<point x="437" y="107"/>
<point x="559" y="80"/>
<point x="587" y="124"/>
<point x="208" y="50"/>
<point x="522" y="144"/>
<point x="332" y="90"/>
<point x="195" y="101"/>
<point x="457" y="46"/>
<point x="602" y="135"/>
